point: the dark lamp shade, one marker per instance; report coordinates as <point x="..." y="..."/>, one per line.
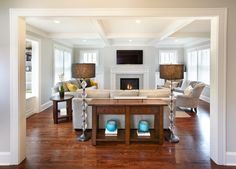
<point x="172" y="71"/>
<point x="83" y="70"/>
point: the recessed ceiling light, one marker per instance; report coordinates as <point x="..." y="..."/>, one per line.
<point x="56" y="21"/>
<point x="130" y="40"/>
<point x="138" y="21"/>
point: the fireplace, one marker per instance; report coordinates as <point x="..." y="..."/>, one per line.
<point x="129" y="83"/>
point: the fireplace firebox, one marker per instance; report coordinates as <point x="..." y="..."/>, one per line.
<point x="129" y="83"/>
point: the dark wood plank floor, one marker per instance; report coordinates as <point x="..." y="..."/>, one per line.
<point x="55" y="146"/>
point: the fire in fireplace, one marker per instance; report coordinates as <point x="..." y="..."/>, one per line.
<point x="129" y="83"/>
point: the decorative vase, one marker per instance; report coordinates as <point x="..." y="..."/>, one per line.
<point x="111" y="125"/>
<point x="61" y="94"/>
<point x="143" y="126"/>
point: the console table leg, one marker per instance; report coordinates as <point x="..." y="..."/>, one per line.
<point x="94" y="125"/>
<point x="158" y="122"/>
<point x="127" y="126"/>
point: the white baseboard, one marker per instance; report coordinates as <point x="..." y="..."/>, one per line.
<point x="230" y="158"/>
<point x="45" y="105"/>
<point x="204" y="98"/>
<point x="29" y="114"/>
<point x="5" y="158"/>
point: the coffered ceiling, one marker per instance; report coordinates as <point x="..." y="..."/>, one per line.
<point x="122" y="31"/>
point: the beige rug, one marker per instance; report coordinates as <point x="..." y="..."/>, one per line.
<point x="181" y="114"/>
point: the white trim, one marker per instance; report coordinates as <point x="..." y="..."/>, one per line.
<point x="199" y="46"/>
<point x="32" y="29"/>
<point x="231" y="158"/>
<point x="5" y="158"/>
<point x="197" y="43"/>
<point x="218" y="133"/>
<point x="169" y="46"/>
<point x="38" y="71"/>
<point x="89" y="46"/>
<point x="29" y="114"/>
<point x="45" y="106"/>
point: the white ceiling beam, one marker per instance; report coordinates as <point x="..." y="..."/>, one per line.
<point x="98" y="27"/>
<point x="73" y="36"/>
<point x="191" y="34"/>
<point x="172" y="28"/>
<point x="132" y="35"/>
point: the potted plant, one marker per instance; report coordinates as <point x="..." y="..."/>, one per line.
<point x="61" y="90"/>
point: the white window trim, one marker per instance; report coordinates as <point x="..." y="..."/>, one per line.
<point x="201" y="47"/>
<point x="63" y="48"/>
<point x="81" y="59"/>
<point x="168" y="50"/>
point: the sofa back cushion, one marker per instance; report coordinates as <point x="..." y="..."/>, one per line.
<point x="188" y="91"/>
<point x="197" y="90"/>
<point x="157" y="93"/>
<point x="98" y="93"/>
<point x="114" y="93"/>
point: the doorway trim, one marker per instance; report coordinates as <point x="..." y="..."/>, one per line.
<point x="218" y="18"/>
<point x="36" y="87"/>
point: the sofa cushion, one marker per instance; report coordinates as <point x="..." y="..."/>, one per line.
<point x="168" y="84"/>
<point x="76" y="82"/>
<point x="114" y="93"/>
<point x="71" y="87"/>
<point x="157" y="93"/>
<point x="98" y="93"/>
<point x="188" y="91"/>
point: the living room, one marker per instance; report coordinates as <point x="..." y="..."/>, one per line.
<point x="186" y="35"/>
<point x="152" y="82"/>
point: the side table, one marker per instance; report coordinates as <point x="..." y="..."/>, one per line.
<point x="56" y="111"/>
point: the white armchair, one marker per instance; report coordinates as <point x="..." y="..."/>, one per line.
<point x="191" y="100"/>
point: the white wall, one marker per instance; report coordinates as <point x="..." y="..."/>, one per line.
<point x="46" y="66"/>
<point x="4" y="49"/>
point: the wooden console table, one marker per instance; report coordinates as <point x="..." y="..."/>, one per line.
<point x="127" y="108"/>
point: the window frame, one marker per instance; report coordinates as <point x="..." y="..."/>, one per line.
<point x="82" y="52"/>
<point x="62" y="49"/>
<point x="175" y="51"/>
<point x="198" y="49"/>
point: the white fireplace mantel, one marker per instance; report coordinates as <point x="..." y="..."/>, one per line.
<point x="130" y="69"/>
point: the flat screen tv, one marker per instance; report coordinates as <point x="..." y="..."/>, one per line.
<point x="129" y="57"/>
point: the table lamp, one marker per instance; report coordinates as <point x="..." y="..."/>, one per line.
<point x="172" y="72"/>
<point x="83" y="71"/>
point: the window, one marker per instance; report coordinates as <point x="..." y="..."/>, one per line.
<point x="199" y="65"/>
<point x="168" y="56"/>
<point x="89" y="56"/>
<point x="62" y="63"/>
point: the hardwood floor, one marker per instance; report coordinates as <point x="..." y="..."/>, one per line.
<point x="55" y="146"/>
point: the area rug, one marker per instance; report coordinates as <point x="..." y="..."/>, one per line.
<point x="181" y="114"/>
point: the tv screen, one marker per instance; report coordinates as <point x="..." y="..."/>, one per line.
<point x="129" y="57"/>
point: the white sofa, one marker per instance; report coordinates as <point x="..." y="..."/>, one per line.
<point x="151" y="94"/>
